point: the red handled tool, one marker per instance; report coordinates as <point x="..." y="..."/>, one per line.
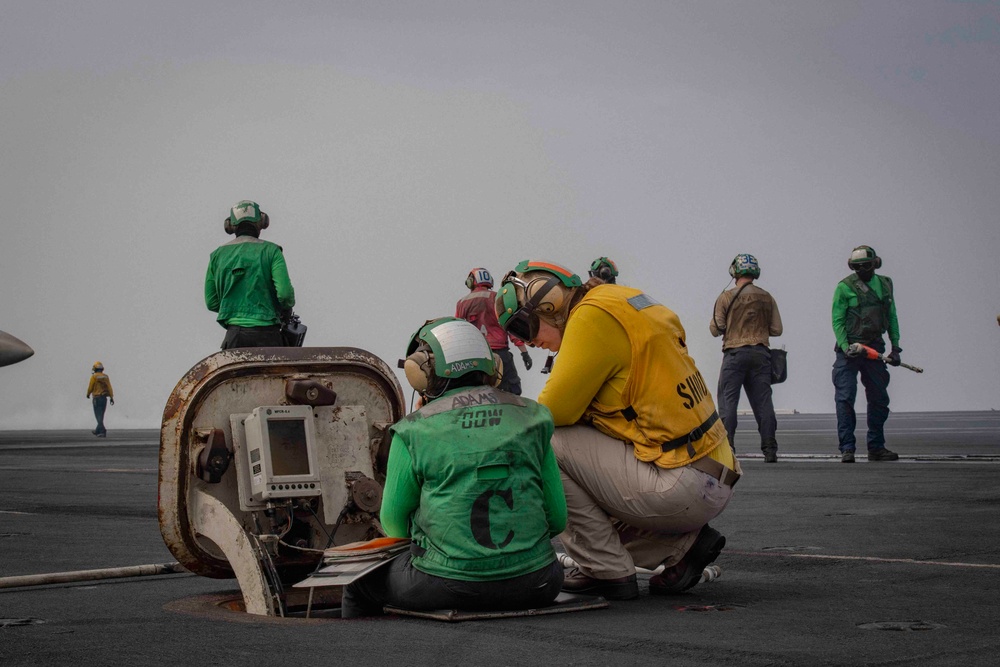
<point x="859" y="350"/>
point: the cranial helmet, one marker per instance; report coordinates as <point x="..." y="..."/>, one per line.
<point x="246" y="211"/>
<point x="603" y="268"/>
<point x="98" y="366"/>
<point x="535" y="290"/>
<point x="744" y="265"/>
<point x="479" y="277"/>
<point x="445" y="349"/>
<point x="864" y="258"/>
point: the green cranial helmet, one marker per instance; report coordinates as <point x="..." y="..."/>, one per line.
<point x="864" y="258"/>
<point x="744" y="265"/>
<point x="603" y="268"/>
<point x="535" y="290"/>
<point x="246" y="211"/>
<point x="445" y="349"/>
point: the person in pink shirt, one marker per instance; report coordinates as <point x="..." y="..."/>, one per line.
<point x="477" y="308"/>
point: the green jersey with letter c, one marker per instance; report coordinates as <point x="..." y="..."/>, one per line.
<point x="478" y="455"/>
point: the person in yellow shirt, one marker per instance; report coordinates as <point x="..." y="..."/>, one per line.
<point x="100" y="389"/>
<point x="644" y="457"/>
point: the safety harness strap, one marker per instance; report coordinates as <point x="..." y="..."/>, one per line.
<point x="693" y="436"/>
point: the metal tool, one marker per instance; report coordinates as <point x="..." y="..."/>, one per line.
<point x="860" y="350"/>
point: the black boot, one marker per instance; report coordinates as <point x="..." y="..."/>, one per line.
<point x="770" y="449"/>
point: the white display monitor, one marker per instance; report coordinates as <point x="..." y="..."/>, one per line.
<point x="281" y="452"/>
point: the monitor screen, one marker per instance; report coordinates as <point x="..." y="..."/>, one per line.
<point x="289" y="451"/>
<point x="281" y="458"/>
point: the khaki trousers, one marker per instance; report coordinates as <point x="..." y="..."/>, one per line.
<point x="623" y="512"/>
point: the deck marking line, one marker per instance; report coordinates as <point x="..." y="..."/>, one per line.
<point x="873" y="559"/>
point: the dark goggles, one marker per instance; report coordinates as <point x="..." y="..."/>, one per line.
<point x="516" y="318"/>
<point x="523" y="325"/>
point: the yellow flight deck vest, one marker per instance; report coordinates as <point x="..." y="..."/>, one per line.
<point x="670" y="416"/>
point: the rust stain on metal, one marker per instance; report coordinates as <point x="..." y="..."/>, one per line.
<point x="223" y="367"/>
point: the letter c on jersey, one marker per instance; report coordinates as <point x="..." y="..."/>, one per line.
<point x="481" y="518"/>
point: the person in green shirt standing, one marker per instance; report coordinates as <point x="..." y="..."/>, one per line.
<point x="473" y="481"/>
<point x="247" y="282"/>
<point x="864" y="308"/>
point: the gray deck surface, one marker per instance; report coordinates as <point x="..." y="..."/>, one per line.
<point x="816" y="550"/>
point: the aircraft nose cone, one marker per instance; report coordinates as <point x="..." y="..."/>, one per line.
<point x="13" y="350"/>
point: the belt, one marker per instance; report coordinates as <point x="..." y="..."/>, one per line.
<point x="720" y="472"/>
<point x="694" y="435"/>
<point x="266" y="327"/>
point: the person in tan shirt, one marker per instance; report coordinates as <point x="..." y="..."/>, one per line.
<point x="746" y="316"/>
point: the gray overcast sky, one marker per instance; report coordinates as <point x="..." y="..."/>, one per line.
<point x="396" y="145"/>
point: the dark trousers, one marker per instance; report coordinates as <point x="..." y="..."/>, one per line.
<point x="100" y="405"/>
<point x="399" y="584"/>
<point x="748" y="368"/>
<point x="875" y="379"/>
<point x="252" y="337"/>
<point x="511" y="381"/>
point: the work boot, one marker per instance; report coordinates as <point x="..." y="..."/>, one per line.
<point x="847" y="456"/>
<point x="621" y="588"/>
<point x="882" y="454"/>
<point x="687" y="572"/>
<point x="770" y="449"/>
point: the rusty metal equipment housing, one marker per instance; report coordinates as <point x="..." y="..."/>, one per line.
<point x="209" y="519"/>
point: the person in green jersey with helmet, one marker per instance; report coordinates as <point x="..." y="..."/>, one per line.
<point x="473" y="481"/>
<point x="864" y="308"/>
<point x="247" y="282"/>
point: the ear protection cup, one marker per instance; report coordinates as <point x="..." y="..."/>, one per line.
<point x="419" y="368"/>
<point x="732" y="268"/>
<point x="265" y="220"/>
<point x="497" y="376"/>
<point x="228" y="226"/>
<point x="469" y="283"/>
<point x="550" y="294"/>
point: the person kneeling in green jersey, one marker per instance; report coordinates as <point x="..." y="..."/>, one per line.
<point x="473" y="481"/>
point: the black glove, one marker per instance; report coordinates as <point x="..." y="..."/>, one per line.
<point x="527" y="360"/>
<point x="893" y="359"/>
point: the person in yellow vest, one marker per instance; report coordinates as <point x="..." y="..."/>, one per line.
<point x="100" y="389"/>
<point x="644" y="458"/>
